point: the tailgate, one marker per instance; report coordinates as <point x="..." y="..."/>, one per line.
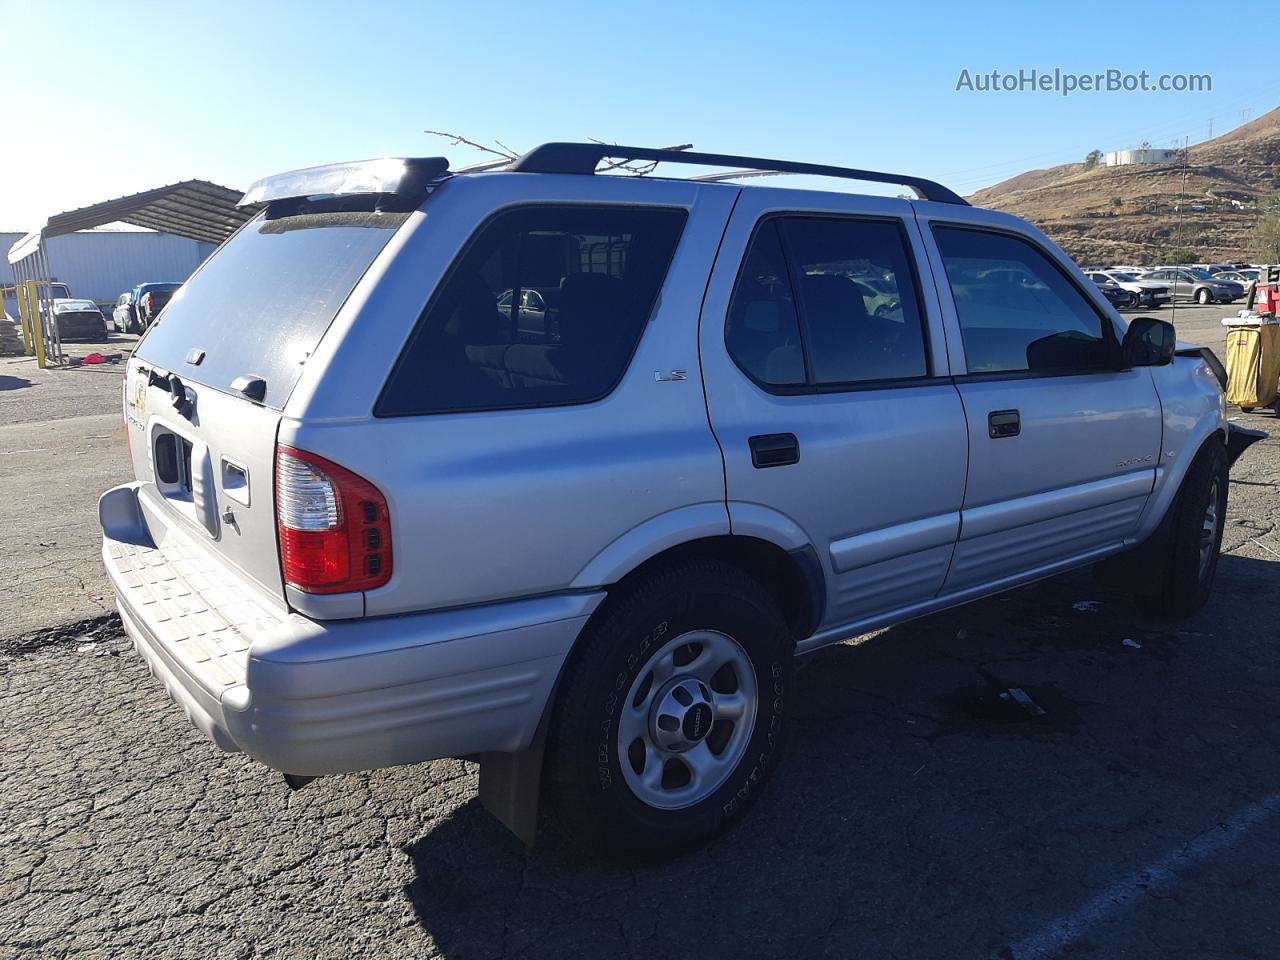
<point x="206" y="385"/>
<point x="208" y="470"/>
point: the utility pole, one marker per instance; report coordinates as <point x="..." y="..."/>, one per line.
<point x="1182" y="204"/>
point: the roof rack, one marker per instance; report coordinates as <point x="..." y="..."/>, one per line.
<point x="583" y="158"/>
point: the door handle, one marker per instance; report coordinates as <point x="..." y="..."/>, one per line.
<point x="1004" y="423"/>
<point x="774" y="450"/>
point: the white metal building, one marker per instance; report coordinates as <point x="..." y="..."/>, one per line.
<point x="102" y="264"/>
<point x="1121" y="158"/>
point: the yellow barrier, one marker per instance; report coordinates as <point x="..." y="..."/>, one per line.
<point x="37" y="326"/>
<point x="24" y="315"/>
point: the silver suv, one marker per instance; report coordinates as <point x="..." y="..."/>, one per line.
<point x="382" y="516"/>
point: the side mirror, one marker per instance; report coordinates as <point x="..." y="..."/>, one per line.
<point x="1148" y="343"/>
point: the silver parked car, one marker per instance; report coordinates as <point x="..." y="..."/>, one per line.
<point x="1146" y="293"/>
<point x="1246" y="278"/>
<point x="377" y="519"/>
<point x="1192" y="283"/>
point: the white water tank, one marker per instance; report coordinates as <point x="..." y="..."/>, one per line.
<point x="1121" y="158"/>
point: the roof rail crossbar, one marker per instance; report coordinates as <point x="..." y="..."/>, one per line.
<point x="583" y="158"/>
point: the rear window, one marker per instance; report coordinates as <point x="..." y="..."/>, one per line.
<point x="544" y="307"/>
<point x="260" y="306"/>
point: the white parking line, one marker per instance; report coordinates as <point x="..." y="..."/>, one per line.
<point x="1050" y="940"/>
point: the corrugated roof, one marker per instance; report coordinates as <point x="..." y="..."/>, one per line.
<point x="196" y="209"/>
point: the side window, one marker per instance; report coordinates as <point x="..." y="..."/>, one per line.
<point x="763" y="332"/>
<point x="857" y="293"/>
<point x="1017" y="310"/>
<point x="585" y="280"/>
<point x="827" y="301"/>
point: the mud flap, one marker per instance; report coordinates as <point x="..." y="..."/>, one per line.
<point x="510" y="785"/>
<point x="1240" y="439"/>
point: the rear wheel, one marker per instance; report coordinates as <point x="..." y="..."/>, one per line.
<point x="670" y="713"/>
<point x="1204" y="297"/>
<point x="1194" y="538"/>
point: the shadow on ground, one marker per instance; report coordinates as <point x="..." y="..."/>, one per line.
<point x="920" y="813"/>
<point x="13" y="383"/>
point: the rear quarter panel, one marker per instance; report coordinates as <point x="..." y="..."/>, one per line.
<point x="510" y="503"/>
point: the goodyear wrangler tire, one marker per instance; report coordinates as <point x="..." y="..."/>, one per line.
<point x="670" y="713"/>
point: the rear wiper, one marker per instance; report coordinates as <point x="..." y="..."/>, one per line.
<point x="253" y="387"/>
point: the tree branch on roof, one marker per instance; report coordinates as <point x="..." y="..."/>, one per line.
<point x="633" y="167"/>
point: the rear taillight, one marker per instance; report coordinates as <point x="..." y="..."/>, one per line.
<point x="335" y="531"/>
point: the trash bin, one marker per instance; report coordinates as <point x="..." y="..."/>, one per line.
<point x="1253" y="361"/>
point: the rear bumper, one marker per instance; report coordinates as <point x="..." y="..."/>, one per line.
<point x="311" y="698"/>
<point x="88" y="329"/>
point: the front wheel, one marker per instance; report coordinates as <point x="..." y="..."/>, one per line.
<point x="1195" y="537"/>
<point x="1204" y="298"/>
<point x="669" y="717"/>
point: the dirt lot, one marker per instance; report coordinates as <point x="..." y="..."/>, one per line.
<point x="62" y="444"/>
<point x="918" y="813"/>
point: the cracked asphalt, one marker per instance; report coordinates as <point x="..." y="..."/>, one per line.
<point x="916" y="814"/>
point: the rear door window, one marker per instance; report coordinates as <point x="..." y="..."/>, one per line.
<point x="857" y="292"/>
<point x="763" y="332"/>
<point x="827" y="303"/>
<point x="544" y="307"/>
<point x="260" y="306"/>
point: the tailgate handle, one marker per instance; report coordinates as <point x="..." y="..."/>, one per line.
<point x="774" y="450"/>
<point x="1004" y="423"/>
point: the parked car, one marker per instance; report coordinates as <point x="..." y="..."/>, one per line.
<point x="152" y="299"/>
<point x="1116" y="295"/>
<point x="9" y="305"/>
<point x="136" y="309"/>
<point x="377" y="521"/>
<point x="79" y="320"/>
<point x="1146" y="293"/>
<point x="1189" y="283"/>
<point x="1246" y="278"/>
<point x="123" y="319"/>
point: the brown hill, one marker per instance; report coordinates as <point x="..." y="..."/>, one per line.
<point x="1131" y="214"/>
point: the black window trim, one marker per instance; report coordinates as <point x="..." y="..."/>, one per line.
<point x="1110" y="335"/>
<point x="458" y="258"/>
<point x="848" y="386"/>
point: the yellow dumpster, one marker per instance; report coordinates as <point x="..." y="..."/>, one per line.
<point x="1253" y="362"/>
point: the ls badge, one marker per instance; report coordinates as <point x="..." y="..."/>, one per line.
<point x="668" y="377"/>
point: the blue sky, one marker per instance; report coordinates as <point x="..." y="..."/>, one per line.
<point x="123" y="96"/>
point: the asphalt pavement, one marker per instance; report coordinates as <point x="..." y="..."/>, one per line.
<point x="923" y="809"/>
